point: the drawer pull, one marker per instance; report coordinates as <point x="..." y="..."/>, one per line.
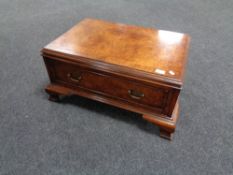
<point x="75" y="77"/>
<point x="135" y="94"/>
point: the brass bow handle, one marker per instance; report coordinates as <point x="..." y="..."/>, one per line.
<point x="135" y="94"/>
<point x="75" y="77"/>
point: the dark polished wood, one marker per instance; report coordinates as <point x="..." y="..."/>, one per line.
<point x="54" y="97"/>
<point x="167" y="127"/>
<point x="135" y="68"/>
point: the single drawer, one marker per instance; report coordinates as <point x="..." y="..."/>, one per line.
<point x="112" y="86"/>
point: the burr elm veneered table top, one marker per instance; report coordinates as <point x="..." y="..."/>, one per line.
<point x="134" y="68"/>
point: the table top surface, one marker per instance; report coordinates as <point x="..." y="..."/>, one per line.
<point x="159" y="52"/>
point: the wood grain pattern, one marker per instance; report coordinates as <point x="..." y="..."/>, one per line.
<point x="154" y="51"/>
<point x="134" y="68"/>
<point x="100" y="82"/>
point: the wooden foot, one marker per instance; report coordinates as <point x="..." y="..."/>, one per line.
<point x="54" y="97"/>
<point x="166" y="125"/>
<point x="55" y="92"/>
<point x="165" y="134"/>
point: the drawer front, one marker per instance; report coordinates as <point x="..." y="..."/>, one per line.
<point x="115" y="87"/>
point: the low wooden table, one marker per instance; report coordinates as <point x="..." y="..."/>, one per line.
<point x="134" y="68"/>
